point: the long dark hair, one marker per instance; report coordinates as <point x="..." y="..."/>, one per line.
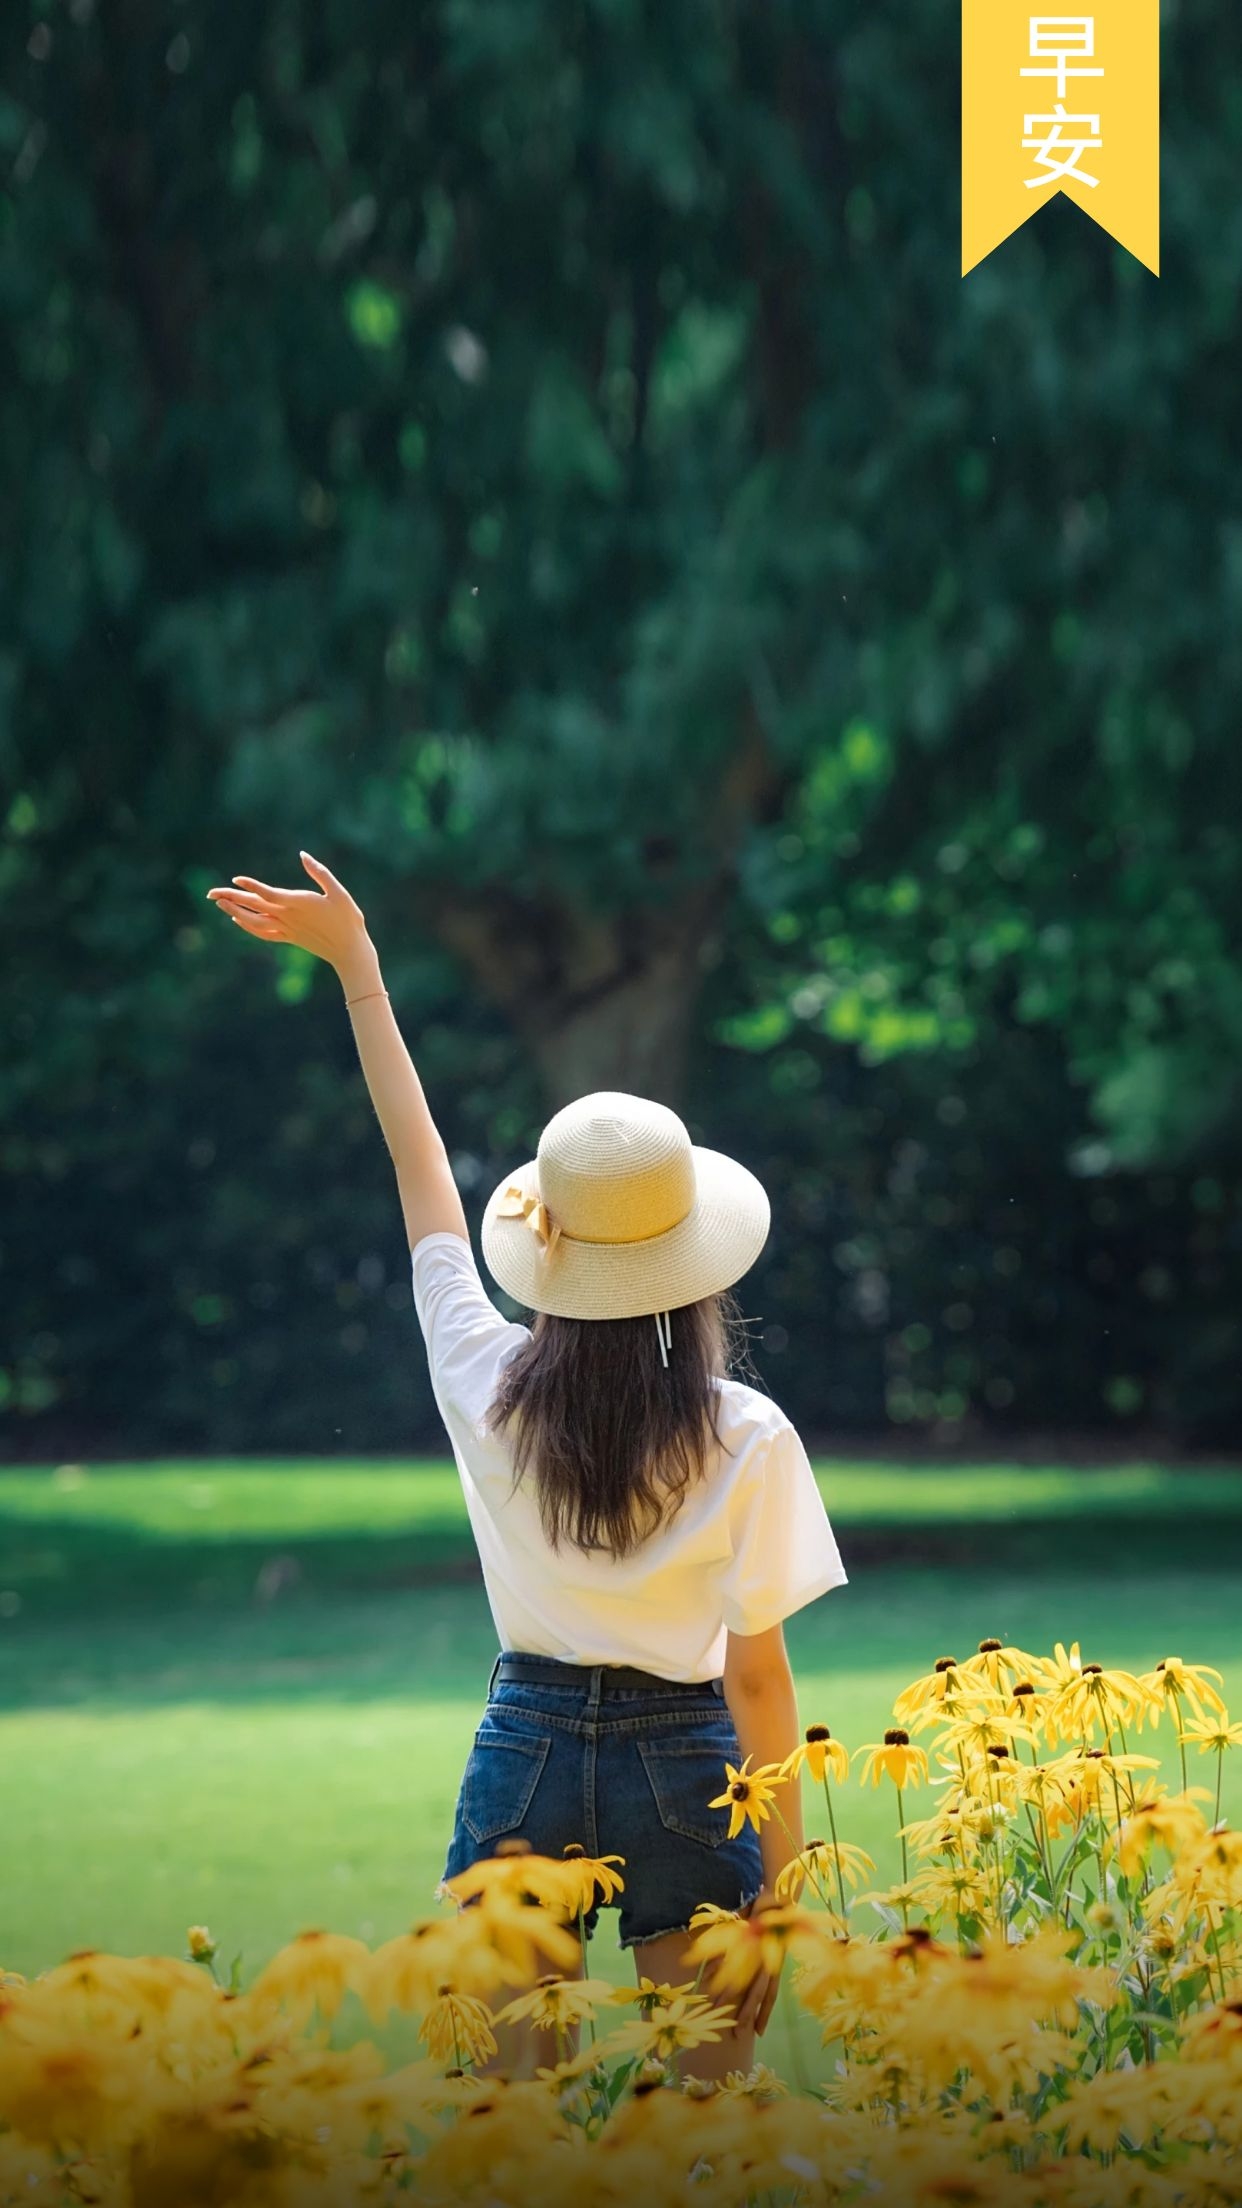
<point x="613" y="1439"/>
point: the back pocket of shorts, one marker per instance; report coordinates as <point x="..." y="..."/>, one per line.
<point x="685" y="1775"/>
<point x="502" y="1772"/>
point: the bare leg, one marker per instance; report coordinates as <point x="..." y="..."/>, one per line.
<point x="664" y="1961"/>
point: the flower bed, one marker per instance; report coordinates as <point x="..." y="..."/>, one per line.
<point x="1044" y="2007"/>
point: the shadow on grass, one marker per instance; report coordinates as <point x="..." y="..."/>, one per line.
<point x="50" y="1569"/>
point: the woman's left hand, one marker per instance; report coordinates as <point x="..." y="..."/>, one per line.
<point x="325" y="921"/>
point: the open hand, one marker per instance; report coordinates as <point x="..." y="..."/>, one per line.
<point x="325" y="921"/>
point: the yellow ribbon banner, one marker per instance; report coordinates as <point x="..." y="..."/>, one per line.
<point x="1061" y="103"/>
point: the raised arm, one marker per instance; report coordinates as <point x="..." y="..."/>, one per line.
<point x="327" y="922"/>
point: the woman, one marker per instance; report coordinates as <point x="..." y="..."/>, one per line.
<point x="645" y="1522"/>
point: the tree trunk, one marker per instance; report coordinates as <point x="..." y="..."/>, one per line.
<point x="607" y="1000"/>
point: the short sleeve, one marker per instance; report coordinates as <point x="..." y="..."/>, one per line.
<point x="784" y="1550"/>
<point x="467" y="1338"/>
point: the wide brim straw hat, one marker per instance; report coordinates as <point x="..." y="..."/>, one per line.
<point x="620" y="1214"/>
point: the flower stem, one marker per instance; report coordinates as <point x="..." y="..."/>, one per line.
<point x="800" y="1852"/>
<point x="905" y="1861"/>
<point x="836" y="1845"/>
<point x="1181" y="1745"/>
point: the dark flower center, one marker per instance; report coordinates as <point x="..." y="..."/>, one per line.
<point x="740" y="1792"/>
<point x="818" y="1732"/>
<point x="1024" y="1687"/>
<point x="946" y="1663"/>
<point x="895" y="1738"/>
<point x="1092" y="1671"/>
<point x="989" y="1648"/>
<point x="573" y="1851"/>
<point x="998" y="1751"/>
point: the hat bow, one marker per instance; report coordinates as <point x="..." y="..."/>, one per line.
<point x="516" y="1204"/>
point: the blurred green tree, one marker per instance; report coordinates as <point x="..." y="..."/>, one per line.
<point x="544" y="458"/>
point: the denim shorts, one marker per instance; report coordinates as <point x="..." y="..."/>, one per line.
<point x="623" y="1764"/>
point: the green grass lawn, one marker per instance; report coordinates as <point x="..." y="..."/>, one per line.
<point x="180" y="1747"/>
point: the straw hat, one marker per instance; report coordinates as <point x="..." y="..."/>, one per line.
<point x="621" y="1215"/>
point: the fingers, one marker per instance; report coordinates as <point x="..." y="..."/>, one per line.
<point x="241" y="900"/>
<point x="766" y="2006"/>
<point x="265" y="889"/>
<point x="247" y="912"/>
<point x="750" y="2004"/>
<point x="268" y="929"/>
<point x="327" y="881"/>
<point x="320" y="873"/>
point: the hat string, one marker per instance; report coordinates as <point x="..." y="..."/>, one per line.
<point x="664" y="1328"/>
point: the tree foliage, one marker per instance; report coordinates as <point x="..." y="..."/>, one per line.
<point x="544" y="457"/>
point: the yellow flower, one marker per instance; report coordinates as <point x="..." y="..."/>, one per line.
<point x="998" y="1664"/>
<point x="525" y="1939"/>
<point x="573" y="2068"/>
<point x="650" y="1996"/>
<point x="482" y="1948"/>
<point x="1082" y="1774"/>
<point x="1213" y="1866"/>
<point x="1046" y="1785"/>
<point x="1024" y="1700"/>
<point x="894" y="1758"/>
<point x="901" y="1897"/>
<point x="556" y="2004"/>
<point x="984" y="1729"/>
<point x="583" y="1876"/>
<point x="317" y="1969"/>
<point x="509" y="2133"/>
<point x="1112" y="1697"/>
<point x="710" y="1912"/>
<point x="200" y="1943"/>
<point x="748" y="1795"/>
<point x="760" y="2085"/>
<point x="517" y="1875"/>
<point x="742" y="1947"/>
<point x="457" y="2028"/>
<point x="945" y="1832"/>
<point x="63" y="2083"/>
<point x="1212" y="1737"/>
<point x="1173" y="1681"/>
<point x="823" y="1858"/>
<point x="117" y="1990"/>
<point x="690" y="2020"/>
<point x="816" y="1754"/>
<point x="951" y="1889"/>
<point x="1062" y="1669"/>
<point x="1100" y="2111"/>
<point x="942" y="1684"/>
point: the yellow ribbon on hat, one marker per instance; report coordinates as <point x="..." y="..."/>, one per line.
<point x="516" y="1204"/>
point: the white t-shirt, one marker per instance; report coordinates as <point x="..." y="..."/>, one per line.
<point x="750" y="1544"/>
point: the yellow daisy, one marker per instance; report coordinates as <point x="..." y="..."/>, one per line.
<point x="748" y="1795"/>
<point x="894" y="1758"/>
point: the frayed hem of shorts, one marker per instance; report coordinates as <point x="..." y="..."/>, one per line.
<point x="639" y="1939"/>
